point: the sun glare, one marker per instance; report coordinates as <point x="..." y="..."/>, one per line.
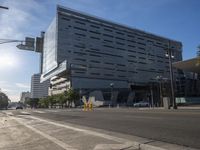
<point x="7" y="61"/>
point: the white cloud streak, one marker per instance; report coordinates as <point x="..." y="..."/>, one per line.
<point x="23" y="85"/>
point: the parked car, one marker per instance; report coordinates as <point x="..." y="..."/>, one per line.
<point x="141" y="104"/>
<point x="19" y="107"/>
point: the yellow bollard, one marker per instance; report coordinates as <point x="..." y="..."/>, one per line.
<point x="90" y="106"/>
<point x="85" y="106"/>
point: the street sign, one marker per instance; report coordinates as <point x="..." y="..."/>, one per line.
<point x="39" y="45"/>
<point x="29" y="44"/>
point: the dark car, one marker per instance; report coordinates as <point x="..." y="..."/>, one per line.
<point x="19" y="107"/>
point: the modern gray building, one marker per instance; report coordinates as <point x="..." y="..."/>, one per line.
<point x="96" y="56"/>
<point x="38" y="89"/>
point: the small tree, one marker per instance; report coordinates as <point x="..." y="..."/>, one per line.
<point x="62" y="99"/>
<point x="72" y="96"/>
<point x="44" y="102"/>
<point x="3" y="100"/>
<point x="52" y="100"/>
<point x="34" y="102"/>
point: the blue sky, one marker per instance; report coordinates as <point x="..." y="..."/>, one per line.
<point x="175" y="19"/>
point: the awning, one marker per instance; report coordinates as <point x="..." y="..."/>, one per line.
<point x="190" y="65"/>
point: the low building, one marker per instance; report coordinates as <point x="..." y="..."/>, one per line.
<point x="24" y="96"/>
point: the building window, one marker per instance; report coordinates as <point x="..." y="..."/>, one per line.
<point x="66" y="19"/>
<point x="78" y="22"/>
<point x="81" y="29"/>
<point x="109" y="30"/>
<point x="120" y="33"/>
<point x="95" y="61"/>
<point x="120" y="43"/>
<point x="110" y="75"/>
<point x="95" y="32"/>
<point x="96" y="38"/>
<point x="108" y="35"/>
<point x="83" y="35"/>
<point x="95" y="74"/>
<point x="97" y="27"/>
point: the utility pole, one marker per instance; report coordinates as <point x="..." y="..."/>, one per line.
<point x="111" y="92"/>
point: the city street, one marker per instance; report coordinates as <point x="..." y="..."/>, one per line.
<point x="179" y="127"/>
<point x="99" y="75"/>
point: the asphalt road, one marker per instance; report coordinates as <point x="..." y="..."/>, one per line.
<point x="180" y="127"/>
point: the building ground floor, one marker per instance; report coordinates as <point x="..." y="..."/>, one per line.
<point x="107" y="92"/>
<point x="115" y="92"/>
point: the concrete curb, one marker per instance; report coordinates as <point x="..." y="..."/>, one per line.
<point x="157" y="145"/>
<point x="149" y="147"/>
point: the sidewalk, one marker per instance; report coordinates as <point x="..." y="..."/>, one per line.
<point x="27" y="132"/>
<point x="30" y="133"/>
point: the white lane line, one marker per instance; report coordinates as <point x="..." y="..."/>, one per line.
<point x="25" y="113"/>
<point x="54" y="111"/>
<point x="114" y="147"/>
<point x="9" y="113"/>
<point x="89" y="132"/>
<point x="37" y="111"/>
<point x="52" y="139"/>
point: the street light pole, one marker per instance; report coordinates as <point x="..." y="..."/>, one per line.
<point x="111" y="92"/>
<point x="171" y="77"/>
<point x="3" y="7"/>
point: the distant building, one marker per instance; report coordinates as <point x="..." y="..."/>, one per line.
<point x="24" y="96"/>
<point x="38" y="89"/>
<point x="191" y="79"/>
<point x="198" y="51"/>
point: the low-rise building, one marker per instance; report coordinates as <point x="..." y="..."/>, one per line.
<point x="24" y="96"/>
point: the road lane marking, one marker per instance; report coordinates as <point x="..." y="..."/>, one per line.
<point x="9" y="113"/>
<point x="113" y="147"/>
<point x="25" y="113"/>
<point x="52" y="139"/>
<point x="52" y="111"/>
<point x="38" y="111"/>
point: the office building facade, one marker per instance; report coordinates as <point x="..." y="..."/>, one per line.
<point x="38" y="89"/>
<point x="88" y="53"/>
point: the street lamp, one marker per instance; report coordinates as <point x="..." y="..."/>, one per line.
<point x="169" y="55"/>
<point x="159" y="78"/>
<point x="111" y="91"/>
<point x="3" y="7"/>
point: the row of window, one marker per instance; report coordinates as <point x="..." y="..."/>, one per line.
<point x="110" y="28"/>
<point x="81" y="67"/>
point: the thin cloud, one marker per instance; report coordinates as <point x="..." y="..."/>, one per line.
<point x="22" y="85"/>
<point x="3" y="82"/>
<point x="7" y="90"/>
<point x="14" y="98"/>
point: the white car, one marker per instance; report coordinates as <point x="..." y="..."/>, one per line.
<point x="141" y="104"/>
